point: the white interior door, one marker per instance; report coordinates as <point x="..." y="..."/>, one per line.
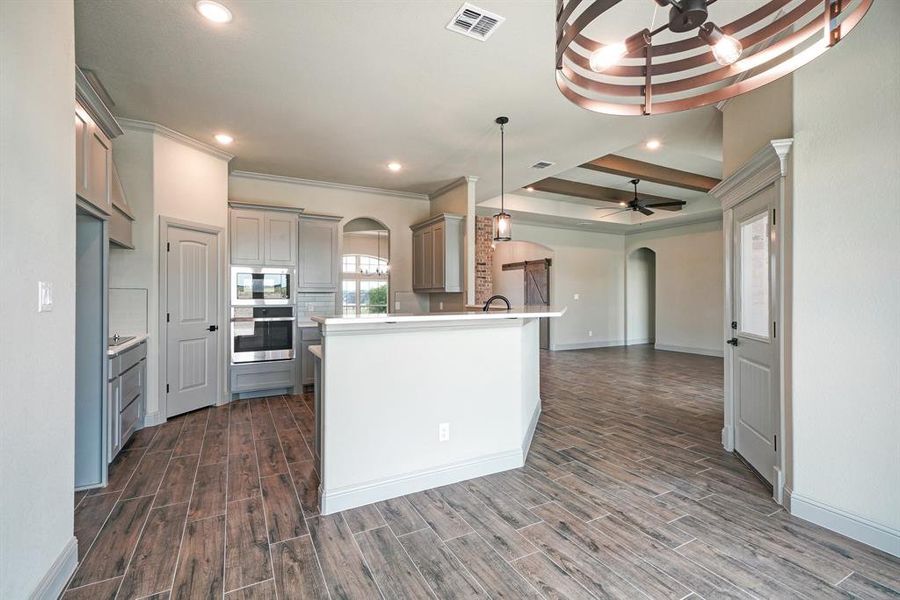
<point x="755" y="365"/>
<point x="192" y="337"/>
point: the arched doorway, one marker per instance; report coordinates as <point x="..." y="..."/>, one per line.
<point x="640" y="297"/>
<point x="365" y="287"/>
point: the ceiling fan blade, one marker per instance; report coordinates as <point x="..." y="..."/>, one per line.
<point x="664" y="204"/>
<point x="645" y="211"/>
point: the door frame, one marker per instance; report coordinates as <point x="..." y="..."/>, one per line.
<point x="162" y="299"/>
<point x="769" y="167"/>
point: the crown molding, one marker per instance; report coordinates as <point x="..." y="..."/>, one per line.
<point x="766" y="166"/>
<point x="136" y="125"/>
<point x="326" y="184"/>
<point x="466" y="179"/>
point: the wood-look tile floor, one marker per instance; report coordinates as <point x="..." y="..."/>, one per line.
<point x="627" y="493"/>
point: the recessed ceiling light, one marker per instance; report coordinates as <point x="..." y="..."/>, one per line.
<point x="213" y="11"/>
<point x="529" y="189"/>
<point x="653" y="144"/>
<point x="224" y="138"/>
<point x="394" y="166"/>
<point x="623" y="204"/>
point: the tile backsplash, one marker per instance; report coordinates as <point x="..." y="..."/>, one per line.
<point x="127" y="311"/>
<point x="311" y="303"/>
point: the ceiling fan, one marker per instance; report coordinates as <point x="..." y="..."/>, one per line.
<point x="637" y="205"/>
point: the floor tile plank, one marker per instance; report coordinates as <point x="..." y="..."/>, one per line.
<point x="445" y="574"/>
<point x="246" y="544"/>
<point x="297" y="573"/>
<point x="208" y="496"/>
<point x="283" y="512"/>
<point x="394" y="572"/>
<point x="201" y="561"/>
<point x="346" y="573"/>
<point x="153" y="564"/>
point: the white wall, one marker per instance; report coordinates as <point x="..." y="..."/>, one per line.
<point x="752" y="120"/>
<point x="689" y="285"/>
<point x="846" y="386"/>
<point x="640" y="296"/>
<point x="162" y="176"/>
<point x="591" y="265"/>
<point x="37" y="243"/>
<point x="397" y="212"/>
<point x="512" y="283"/>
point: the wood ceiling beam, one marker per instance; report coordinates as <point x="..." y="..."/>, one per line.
<point x="629" y="167"/>
<point x="598" y="193"/>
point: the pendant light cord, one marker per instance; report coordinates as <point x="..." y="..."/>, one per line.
<point x="502" y="159"/>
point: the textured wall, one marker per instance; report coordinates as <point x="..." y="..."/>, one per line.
<point x="484" y="257"/>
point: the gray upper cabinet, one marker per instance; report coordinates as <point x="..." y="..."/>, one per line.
<point x="120" y="215"/>
<point x="94" y="128"/>
<point x="247" y="237"/>
<point x="280" y="240"/>
<point x="263" y="238"/>
<point x="319" y="254"/>
<point x="438" y="254"/>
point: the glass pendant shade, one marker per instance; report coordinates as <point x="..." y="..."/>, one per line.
<point x="502" y="227"/>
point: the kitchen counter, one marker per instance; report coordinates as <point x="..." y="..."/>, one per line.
<point x="516" y="312"/>
<point x="427" y="399"/>
<point x="117" y="350"/>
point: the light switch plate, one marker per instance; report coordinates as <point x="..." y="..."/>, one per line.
<point x="444" y="432"/>
<point x="45" y="296"/>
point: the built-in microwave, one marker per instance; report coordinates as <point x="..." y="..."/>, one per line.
<point x="260" y="286"/>
<point x="262" y="333"/>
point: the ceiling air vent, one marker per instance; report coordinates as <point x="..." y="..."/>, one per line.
<point x="475" y="22"/>
<point x="542" y="164"/>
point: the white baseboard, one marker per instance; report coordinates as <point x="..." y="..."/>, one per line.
<point x="788" y="493"/>
<point x="638" y="342"/>
<point x="728" y="438"/>
<point x="587" y="345"/>
<point x="691" y="350"/>
<point x="853" y="526"/>
<point x="153" y="419"/>
<point x="352" y="497"/>
<point x="529" y="433"/>
<point x="55" y="579"/>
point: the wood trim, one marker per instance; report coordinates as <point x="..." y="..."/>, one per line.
<point x="91" y="101"/>
<point x="629" y="167"/>
<point x="598" y="193"/>
<point x="522" y="264"/>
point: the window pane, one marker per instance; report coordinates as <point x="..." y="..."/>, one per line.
<point x="350" y="263"/>
<point x="349" y="290"/>
<point x="754" y="318"/>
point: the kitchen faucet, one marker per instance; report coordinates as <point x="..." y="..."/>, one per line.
<point x="487" y="305"/>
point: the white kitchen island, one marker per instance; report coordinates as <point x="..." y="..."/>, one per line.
<point x="391" y="383"/>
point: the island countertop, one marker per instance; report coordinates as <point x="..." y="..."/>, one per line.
<point x="516" y="312"/>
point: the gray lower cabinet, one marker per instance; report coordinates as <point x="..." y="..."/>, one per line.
<point x="254" y="377"/>
<point x="438" y="254"/>
<point x="126" y="388"/>
<point x="309" y="336"/>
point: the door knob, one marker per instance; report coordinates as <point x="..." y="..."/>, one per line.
<point x="732" y="342"/>
<point x="212" y="328"/>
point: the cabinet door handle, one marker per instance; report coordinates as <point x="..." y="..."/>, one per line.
<point x="212" y="328"/>
<point x="732" y="341"/>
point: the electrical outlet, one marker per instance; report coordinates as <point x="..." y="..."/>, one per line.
<point x="590" y="333"/>
<point x="440" y="306"/>
<point x="575" y="297"/>
<point x="397" y="305"/>
<point x="45" y="296"/>
<point x="310" y="307"/>
<point x="444" y="432"/>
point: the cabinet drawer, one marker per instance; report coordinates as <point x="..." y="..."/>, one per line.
<point x="262" y="376"/>
<point x="310" y="334"/>
<point x="129" y="419"/>
<point x="132" y="357"/>
<point x="131" y="384"/>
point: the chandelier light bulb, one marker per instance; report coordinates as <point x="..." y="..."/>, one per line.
<point x="726" y="49"/>
<point x="607" y="56"/>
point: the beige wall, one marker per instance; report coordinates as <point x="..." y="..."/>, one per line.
<point x="454" y="201"/>
<point x="37" y="243"/>
<point x="512" y="283"/>
<point x="846" y="387"/>
<point x="689" y="285"/>
<point x="752" y="120"/>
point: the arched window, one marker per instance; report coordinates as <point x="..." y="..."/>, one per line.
<point x="365" y="284"/>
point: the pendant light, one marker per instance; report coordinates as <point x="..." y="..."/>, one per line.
<point x="502" y="224"/>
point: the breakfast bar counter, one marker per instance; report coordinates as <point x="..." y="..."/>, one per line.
<point x="413" y="401"/>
